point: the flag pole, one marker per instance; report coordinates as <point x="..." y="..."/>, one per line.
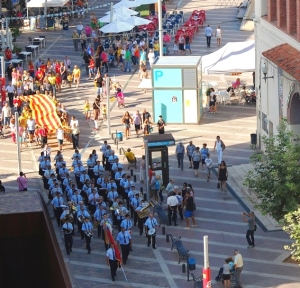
<point x="124" y="273"/>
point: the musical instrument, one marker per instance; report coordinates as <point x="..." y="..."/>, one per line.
<point x="96" y="224"/>
<point x="144" y="212"/>
<point x="80" y="219"/>
<point x="66" y="230"/>
<point x="89" y="234"/>
<point x="151" y="232"/>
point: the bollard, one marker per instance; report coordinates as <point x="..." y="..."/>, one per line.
<point x="167" y="238"/>
<point x="131" y="172"/>
<point x="183" y="268"/>
<point x="120" y="151"/>
<point x="112" y="136"/>
<point x="163" y="230"/>
<point x="115" y="141"/>
<point x="134" y="178"/>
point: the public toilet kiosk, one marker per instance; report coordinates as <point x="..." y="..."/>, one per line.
<point x="177" y="89"/>
<point x="158" y="157"/>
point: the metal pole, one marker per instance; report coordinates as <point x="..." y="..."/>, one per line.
<point x="111" y="12"/>
<point x="45" y="13"/>
<point x="108" y="105"/>
<point x="160" y="31"/>
<point x="6" y="28"/>
<point x="18" y="142"/>
<point x="206" y="269"/>
<point x="147" y="169"/>
<point x="72" y="10"/>
<point x="2" y="68"/>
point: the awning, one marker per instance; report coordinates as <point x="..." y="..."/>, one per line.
<point x="286" y="57"/>
<point x="50" y="3"/>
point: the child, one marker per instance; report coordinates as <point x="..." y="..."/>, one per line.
<point x="69" y="79"/>
<point x="175" y="47"/>
<point x="104" y="112"/>
<point x="24" y="137"/>
<point x="208" y="163"/>
<point x="86" y="108"/>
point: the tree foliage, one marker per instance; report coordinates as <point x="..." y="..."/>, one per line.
<point x="292" y="227"/>
<point x="276" y="174"/>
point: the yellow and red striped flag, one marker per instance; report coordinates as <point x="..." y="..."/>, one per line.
<point x="43" y="111"/>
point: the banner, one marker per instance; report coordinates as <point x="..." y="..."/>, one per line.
<point x="3" y="91"/>
<point x="110" y="238"/>
<point x="43" y="111"/>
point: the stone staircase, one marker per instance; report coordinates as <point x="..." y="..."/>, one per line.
<point x="236" y="176"/>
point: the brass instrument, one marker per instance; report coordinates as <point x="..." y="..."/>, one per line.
<point x="96" y="224"/>
<point x="144" y="212"/>
<point x="80" y="219"/>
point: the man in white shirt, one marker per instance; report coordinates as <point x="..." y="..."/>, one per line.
<point x="10" y="89"/>
<point x="172" y="202"/>
<point x="60" y="138"/>
<point x="74" y="121"/>
<point x="238" y="267"/>
<point x="31" y="128"/>
<point x="6" y="114"/>
<point x="67" y="62"/>
<point x="137" y="120"/>
<point x="208" y="163"/>
<point x="79" y="28"/>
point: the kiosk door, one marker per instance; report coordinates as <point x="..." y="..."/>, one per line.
<point x="159" y="162"/>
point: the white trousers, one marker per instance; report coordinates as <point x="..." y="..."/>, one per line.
<point x="219" y="153"/>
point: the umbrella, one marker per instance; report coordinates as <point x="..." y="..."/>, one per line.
<point x="124" y="11"/>
<point x="115" y="17"/>
<point x="3" y="40"/>
<point x="127" y="3"/>
<point x="116" y="27"/>
<point x="137" y="21"/>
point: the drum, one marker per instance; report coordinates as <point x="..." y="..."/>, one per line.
<point x="151" y="232"/>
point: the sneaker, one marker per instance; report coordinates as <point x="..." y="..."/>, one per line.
<point x="194" y="225"/>
<point x="250" y="246"/>
<point x="186" y="227"/>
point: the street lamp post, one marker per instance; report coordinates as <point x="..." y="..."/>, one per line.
<point x="160" y="31"/>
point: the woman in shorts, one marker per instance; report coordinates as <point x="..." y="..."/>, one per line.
<point x="60" y="138"/>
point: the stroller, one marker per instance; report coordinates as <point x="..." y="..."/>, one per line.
<point x="120" y="98"/>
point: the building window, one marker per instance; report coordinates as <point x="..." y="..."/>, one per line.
<point x="264" y="122"/>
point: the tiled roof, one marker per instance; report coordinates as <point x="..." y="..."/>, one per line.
<point x="286" y="57"/>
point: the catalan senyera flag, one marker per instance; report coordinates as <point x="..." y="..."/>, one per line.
<point x="44" y="111"/>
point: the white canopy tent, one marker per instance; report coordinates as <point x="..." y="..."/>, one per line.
<point x="123" y="11"/>
<point x="115" y="17"/>
<point x="233" y="57"/>
<point x="127" y="3"/>
<point x="48" y="3"/>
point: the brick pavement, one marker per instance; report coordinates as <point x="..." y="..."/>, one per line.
<point x="217" y="215"/>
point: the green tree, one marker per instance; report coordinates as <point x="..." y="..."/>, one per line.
<point x="292" y="227"/>
<point x="276" y="174"/>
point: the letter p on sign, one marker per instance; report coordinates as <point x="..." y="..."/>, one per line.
<point x="158" y="74"/>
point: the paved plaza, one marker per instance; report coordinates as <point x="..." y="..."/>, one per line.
<point x="218" y="215"/>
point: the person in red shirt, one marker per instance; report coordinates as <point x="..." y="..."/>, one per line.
<point x="8" y="54"/>
<point x="91" y="68"/>
<point x="39" y="75"/>
<point x="43" y="132"/>
<point x="17" y="104"/>
<point x="58" y="82"/>
<point x="31" y="69"/>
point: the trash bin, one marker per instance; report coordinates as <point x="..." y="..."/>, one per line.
<point x="120" y="136"/>
<point x="253" y="139"/>
<point x="192" y="264"/>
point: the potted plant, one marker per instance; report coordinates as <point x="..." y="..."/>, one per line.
<point x="17" y="50"/>
<point x="15" y="32"/>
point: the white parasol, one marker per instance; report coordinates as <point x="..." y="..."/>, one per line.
<point x="127" y="3"/>
<point x="145" y="2"/>
<point x="116" y="27"/>
<point x="124" y="11"/>
<point x="115" y="17"/>
<point x="3" y="40"/>
<point x="137" y="21"/>
<point x="9" y="40"/>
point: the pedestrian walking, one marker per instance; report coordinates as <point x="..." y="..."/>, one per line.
<point x="218" y="35"/>
<point x="172" y="203"/>
<point x="180" y="154"/>
<point x="76" y="75"/>
<point x="150" y="224"/>
<point x="208" y="33"/>
<point x="60" y="138"/>
<point x="75" y="37"/>
<point x="188" y="203"/>
<point x="189" y="152"/>
<point x="125" y="242"/>
<point x="161" y="125"/>
<point x="208" y="163"/>
<point x="250" y="218"/>
<point x="137" y="120"/>
<point x="196" y="158"/>
<point x="88" y="234"/>
<point x="75" y="136"/>
<point x="204" y="151"/>
<point x="112" y="261"/>
<point x="222" y="176"/>
<point x="68" y="237"/>
<point x="220" y="147"/>
<point x="238" y="268"/>
<point x="143" y="169"/>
